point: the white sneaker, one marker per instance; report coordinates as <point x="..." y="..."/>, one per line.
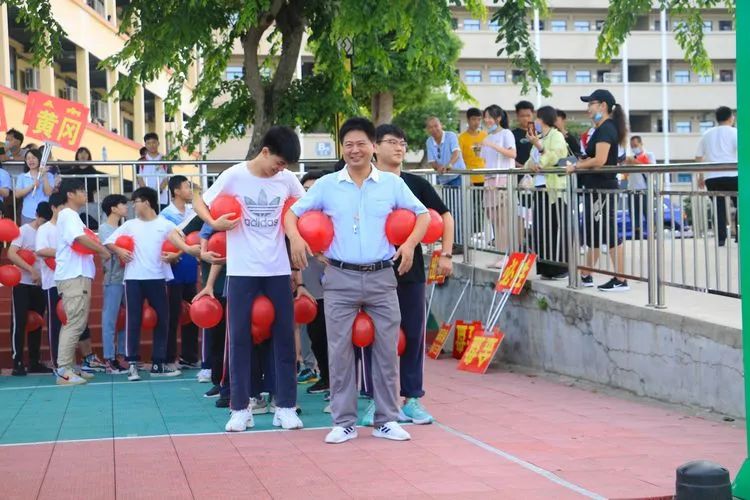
<point x="84" y="375"/>
<point x="341" y="435"/>
<point x="287" y="418"/>
<point x="327" y="409"/>
<point x="204" y="376"/>
<point x="241" y="420"/>
<point x="133" y="372"/>
<point x="258" y="406"/>
<point x="391" y="430"/>
<point x="66" y="376"/>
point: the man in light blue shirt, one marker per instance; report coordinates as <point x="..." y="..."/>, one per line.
<point x="358" y="199"/>
<point x="444" y="155"/>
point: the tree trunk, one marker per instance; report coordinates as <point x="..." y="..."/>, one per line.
<point x="289" y="21"/>
<point x="382" y="108"/>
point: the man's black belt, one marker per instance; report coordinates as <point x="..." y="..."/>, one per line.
<point x="363" y="268"/>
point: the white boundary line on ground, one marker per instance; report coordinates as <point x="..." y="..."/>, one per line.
<point x="55" y="386"/>
<point x="526" y="465"/>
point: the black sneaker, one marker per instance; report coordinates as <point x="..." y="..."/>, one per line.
<point x="318" y="387"/>
<point x="222" y="402"/>
<point x="19" y="370"/>
<point x="614" y="285"/>
<point x="213" y="392"/>
<point x="39" y="368"/>
<point x="164" y="370"/>
<point x="587" y="281"/>
<point x="183" y="363"/>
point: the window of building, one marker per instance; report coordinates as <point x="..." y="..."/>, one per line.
<point x="583" y="76"/>
<point x="582" y="26"/>
<point x="559" y="76"/>
<point x="705" y="78"/>
<point x="127" y="128"/>
<point x="13" y="68"/>
<point x="559" y="25"/>
<point x="472" y="25"/>
<point x="493" y="26"/>
<point x="599" y="24"/>
<point x="602" y="74"/>
<point x="708" y="26"/>
<point x="518" y="75"/>
<point x="726" y="75"/>
<point x="657" y="75"/>
<point x="657" y="25"/>
<point x="726" y="25"/>
<point x="497" y="76"/>
<point x="233" y="73"/>
<point x="677" y="25"/>
<point x="541" y="25"/>
<point x="681" y="76"/>
<point x="454" y="23"/>
<point x="473" y="76"/>
<point x="705" y="125"/>
<point x="683" y="127"/>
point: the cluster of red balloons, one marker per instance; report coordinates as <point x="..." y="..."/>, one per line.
<point x="316" y="229"/>
<point x="79" y="248"/>
<point x="8" y="230"/>
<point x="27" y="256"/>
<point x="217" y="243"/>
<point x="363" y="332"/>
<point x="400" y="224"/>
<point x="169" y="247"/>
<point x="225" y="204"/>
<point x="262" y="317"/>
<point x="193" y="238"/>
<point x="206" y="312"/>
<point x="10" y="275"/>
<point x="50" y="262"/>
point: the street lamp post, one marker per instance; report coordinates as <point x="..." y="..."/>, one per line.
<point x="348" y="49"/>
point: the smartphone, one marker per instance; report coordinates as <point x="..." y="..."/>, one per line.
<point x="531" y="129"/>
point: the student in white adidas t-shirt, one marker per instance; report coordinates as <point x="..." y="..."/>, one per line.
<point x="147" y="270"/>
<point x="74" y="273"/>
<point x="258" y="263"/>
<point x="27" y="295"/>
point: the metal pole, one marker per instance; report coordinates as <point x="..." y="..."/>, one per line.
<point x="512" y="214"/>
<point x="659" y="233"/>
<point x="538" y="47"/>
<point x="741" y="487"/>
<point x="466" y="218"/>
<point x="573" y="235"/>
<point x="651" y="259"/>
<point x="664" y="89"/>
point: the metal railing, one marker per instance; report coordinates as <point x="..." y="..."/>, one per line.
<point x="567" y="227"/>
<point x="664" y="237"/>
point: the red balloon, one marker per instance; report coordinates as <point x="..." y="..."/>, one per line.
<point x="206" y="312"/>
<point x="61" y="312"/>
<point x="148" y="318"/>
<point x="8" y="230"/>
<point x="225" y="204"/>
<point x="121" y="316"/>
<point x="263" y="313"/>
<point x="126" y="242"/>
<point x="27" y="255"/>
<point x="401" y="341"/>
<point x="399" y="225"/>
<point x="169" y="247"/>
<point x="305" y="310"/>
<point x="218" y="243"/>
<point x="78" y="248"/>
<point x="193" y="238"/>
<point x="435" y="229"/>
<point x="363" y="330"/>
<point x="287" y="205"/>
<point x="34" y="321"/>
<point x="260" y="335"/>
<point x="10" y="275"/>
<point x="185" y="314"/>
<point x="317" y="230"/>
<point x="51" y="262"/>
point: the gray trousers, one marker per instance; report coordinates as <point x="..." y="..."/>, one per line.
<point x="345" y="293"/>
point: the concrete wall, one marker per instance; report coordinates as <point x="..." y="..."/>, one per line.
<point x="651" y="352"/>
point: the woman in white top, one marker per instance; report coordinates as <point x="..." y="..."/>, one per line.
<point x="34" y="186"/>
<point x="498" y="152"/>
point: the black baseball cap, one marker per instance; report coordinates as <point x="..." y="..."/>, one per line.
<point x="600" y="95"/>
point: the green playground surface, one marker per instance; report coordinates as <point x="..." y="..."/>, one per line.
<point x="33" y="409"/>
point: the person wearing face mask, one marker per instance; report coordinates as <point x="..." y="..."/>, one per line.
<point x="599" y="220"/>
<point x="637" y="182"/>
<point x="548" y="239"/>
<point x="498" y="151"/>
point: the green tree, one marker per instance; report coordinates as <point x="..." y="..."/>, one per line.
<point x="412" y="120"/>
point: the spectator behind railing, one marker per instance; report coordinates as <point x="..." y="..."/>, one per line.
<point x="719" y="144"/>
<point x="92" y="184"/>
<point x="154" y="175"/>
<point x="637" y="182"/>
<point x="549" y="241"/>
<point x="599" y="221"/>
<point x="33" y="186"/>
<point x="12" y="150"/>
